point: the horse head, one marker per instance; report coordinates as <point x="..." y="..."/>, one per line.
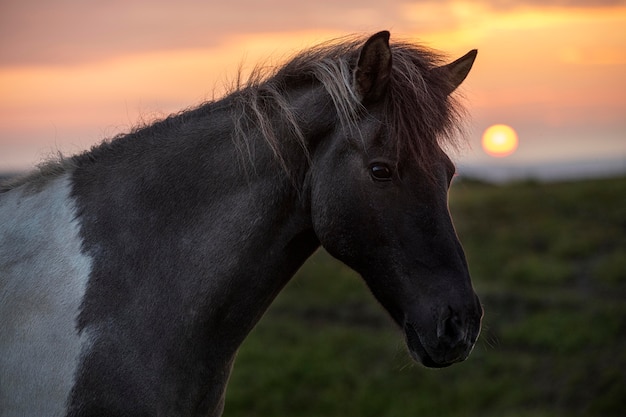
<point x="379" y="200"/>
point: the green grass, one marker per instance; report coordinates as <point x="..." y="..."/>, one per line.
<point x="549" y="263"/>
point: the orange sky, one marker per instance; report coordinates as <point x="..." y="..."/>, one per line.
<point x="73" y="73"/>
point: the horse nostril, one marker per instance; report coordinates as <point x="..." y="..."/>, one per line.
<point x="450" y="328"/>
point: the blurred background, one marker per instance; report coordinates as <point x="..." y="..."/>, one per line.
<point x="541" y="211"/>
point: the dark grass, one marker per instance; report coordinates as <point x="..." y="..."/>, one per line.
<point x="549" y="262"/>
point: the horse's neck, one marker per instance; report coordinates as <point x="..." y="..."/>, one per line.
<point x="182" y="201"/>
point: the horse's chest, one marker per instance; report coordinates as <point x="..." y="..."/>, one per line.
<point x="43" y="277"/>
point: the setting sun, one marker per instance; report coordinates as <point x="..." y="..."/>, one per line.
<point x="499" y="140"/>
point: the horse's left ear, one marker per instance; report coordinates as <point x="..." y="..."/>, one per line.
<point x="373" y="68"/>
<point x="456" y="71"/>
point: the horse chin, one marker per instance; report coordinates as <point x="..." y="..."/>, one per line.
<point x="417" y="350"/>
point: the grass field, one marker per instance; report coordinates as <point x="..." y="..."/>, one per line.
<point x="549" y="263"/>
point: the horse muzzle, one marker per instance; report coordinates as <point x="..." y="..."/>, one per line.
<point x="451" y="340"/>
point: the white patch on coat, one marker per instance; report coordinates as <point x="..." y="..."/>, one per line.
<point x="43" y="278"/>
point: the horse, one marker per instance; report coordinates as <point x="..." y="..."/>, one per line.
<point x="131" y="273"/>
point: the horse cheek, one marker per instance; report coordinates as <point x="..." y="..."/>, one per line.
<point x="339" y="224"/>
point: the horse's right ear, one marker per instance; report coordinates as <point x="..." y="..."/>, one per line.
<point x="373" y="68"/>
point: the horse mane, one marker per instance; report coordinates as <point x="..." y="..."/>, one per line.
<point x="422" y="117"/>
<point x="37" y="178"/>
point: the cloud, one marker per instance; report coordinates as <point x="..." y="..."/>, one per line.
<point x="513" y="4"/>
<point x="44" y="32"/>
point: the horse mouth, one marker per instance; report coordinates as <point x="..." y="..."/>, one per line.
<point x="419" y="353"/>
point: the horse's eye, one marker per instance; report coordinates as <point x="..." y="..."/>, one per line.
<point x="380" y="172"/>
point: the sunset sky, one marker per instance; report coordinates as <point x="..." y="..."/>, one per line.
<point x="75" y="72"/>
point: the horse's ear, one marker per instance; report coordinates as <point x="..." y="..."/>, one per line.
<point x="373" y="68"/>
<point x="456" y="71"/>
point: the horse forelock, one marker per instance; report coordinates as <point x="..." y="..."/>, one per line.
<point x="422" y="118"/>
